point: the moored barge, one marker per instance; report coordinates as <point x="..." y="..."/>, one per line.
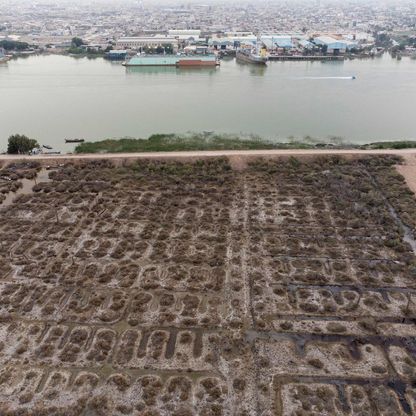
<point x="208" y="60"/>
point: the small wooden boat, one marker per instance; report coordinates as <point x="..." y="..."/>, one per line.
<point x="45" y="146"/>
<point x="74" y="140"/>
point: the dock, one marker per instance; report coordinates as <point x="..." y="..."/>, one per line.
<point x="306" y="58"/>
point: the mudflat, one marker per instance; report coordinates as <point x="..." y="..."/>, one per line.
<point x="208" y="286"/>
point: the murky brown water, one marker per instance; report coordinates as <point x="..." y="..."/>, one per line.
<point x="27" y="187"/>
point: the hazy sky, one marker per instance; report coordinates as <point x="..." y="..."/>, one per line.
<point x="196" y="1"/>
<point x="90" y="3"/>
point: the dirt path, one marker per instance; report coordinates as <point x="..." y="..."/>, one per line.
<point x="215" y="153"/>
<point x="408" y="170"/>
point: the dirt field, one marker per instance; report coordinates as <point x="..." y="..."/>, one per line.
<point x="208" y="287"/>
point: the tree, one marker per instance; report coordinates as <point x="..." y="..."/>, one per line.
<point x="77" y="42"/>
<point x="19" y="144"/>
<point x="12" y="45"/>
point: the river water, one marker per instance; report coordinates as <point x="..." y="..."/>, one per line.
<point x="51" y="98"/>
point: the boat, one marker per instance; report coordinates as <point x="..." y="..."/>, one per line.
<point x="179" y="60"/>
<point x="52" y="153"/>
<point x="116" y="55"/>
<point x="74" y="140"/>
<point x="45" y="146"/>
<point x="254" y="56"/>
<point x="251" y="57"/>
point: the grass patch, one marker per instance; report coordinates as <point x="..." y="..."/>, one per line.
<point x="212" y="141"/>
<point x="173" y="142"/>
<point x="402" y="144"/>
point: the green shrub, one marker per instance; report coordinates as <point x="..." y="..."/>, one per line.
<point x="20" y="144"/>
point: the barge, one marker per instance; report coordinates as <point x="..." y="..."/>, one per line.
<point x="208" y="60"/>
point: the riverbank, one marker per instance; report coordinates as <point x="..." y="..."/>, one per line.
<point x="188" y="142"/>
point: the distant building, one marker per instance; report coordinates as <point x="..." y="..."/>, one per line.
<point x="305" y="44"/>
<point x="360" y="37"/>
<point x="278" y="41"/>
<point x="185" y="34"/>
<point x="196" y="49"/>
<point x="239" y="34"/>
<point x="233" y="40"/>
<point x="150" y="42"/>
<point x="334" y="46"/>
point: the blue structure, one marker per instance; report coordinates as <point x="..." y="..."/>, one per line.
<point x="333" y="45"/>
<point x="116" y="55"/>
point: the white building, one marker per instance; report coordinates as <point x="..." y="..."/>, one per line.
<point x="185" y="34"/>
<point x="239" y="34"/>
<point x="147" y="41"/>
<point x="233" y="40"/>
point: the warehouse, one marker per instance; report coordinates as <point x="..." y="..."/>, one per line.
<point x="272" y="42"/>
<point x="333" y="46"/>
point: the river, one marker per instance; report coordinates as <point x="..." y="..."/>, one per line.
<point x="53" y="97"/>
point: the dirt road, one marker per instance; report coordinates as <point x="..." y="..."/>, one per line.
<point x="408" y="170"/>
<point x="213" y="153"/>
<point x="238" y="158"/>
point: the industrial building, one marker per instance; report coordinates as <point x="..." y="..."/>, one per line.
<point x="233" y="40"/>
<point x="272" y="42"/>
<point x="149" y="41"/>
<point x="334" y="46"/>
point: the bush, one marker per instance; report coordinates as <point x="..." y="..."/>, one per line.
<point x="20" y="144"/>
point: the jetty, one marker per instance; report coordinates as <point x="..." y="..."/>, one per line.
<point x="306" y="58"/>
